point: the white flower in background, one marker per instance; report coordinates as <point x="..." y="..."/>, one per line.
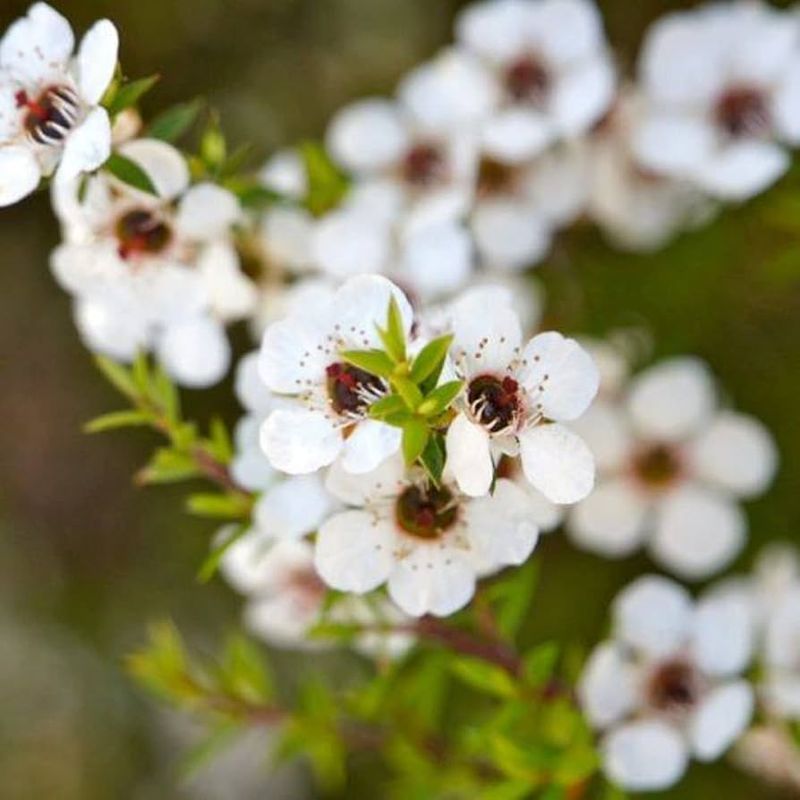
<point x="551" y="66"/>
<point x="427" y="544"/>
<point x="520" y="205"/>
<point x="515" y="400"/>
<point x="301" y="359"/>
<point x="672" y="467"/>
<point x="666" y="687"/>
<point x="50" y="116"/>
<point x="157" y="271"/>
<point x="635" y="206"/>
<point x="722" y="84"/>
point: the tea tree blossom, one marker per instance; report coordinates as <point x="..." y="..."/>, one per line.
<point x="515" y="400"/>
<point x="301" y="359"/>
<point x="427" y="543"/>
<point x="722" y="85"/>
<point x="672" y="467"/>
<point x="50" y="113"/>
<point x="666" y="686"/>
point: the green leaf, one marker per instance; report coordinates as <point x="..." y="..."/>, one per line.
<point x="433" y="457"/>
<point x="540" y="663"/>
<point x="483" y="676"/>
<point x="217" y="506"/>
<point x="440" y="398"/>
<point x="376" y="362"/>
<point x="165" y="393"/>
<point x="213" y="147"/>
<point x="507" y="790"/>
<point x="243" y="672"/>
<point x="387" y="406"/>
<point x="209" y="748"/>
<point x="130" y="173"/>
<point x="409" y="391"/>
<point x="168" y="466"/>
<point x="326" y="185"/>
<point x="130" y="93"/>
<point x="251" y="194"/>
<point x="118" y="376"/>
<point x="393" y="335"/>
<point x="117" y="419"/>
<point x="140" y="372"/>
<point x="430" y="359"/>
<point x="415" y="437"/>
<point x="229" y="535"/>
<point x="512" y="597"/>
<point x="221" y="446"/>
<point x="170" y="125"/>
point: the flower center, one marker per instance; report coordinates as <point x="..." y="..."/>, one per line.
<point x="657" y="465"/>
<point x="352" y="389"/>
<point x="674" y="686"/>
<point x="425" y="511"/>
<point x="743" y="111"/>
<point x="527" y="80"/>
<point x="51" y="116"/>
<point x="495" y="178"/>
<point x="493" y="402"/>
<point x="424" y="165"/>
<point x="141" y="232"/>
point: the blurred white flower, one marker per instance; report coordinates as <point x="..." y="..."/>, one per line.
<point x="551" y="66"/>
<point x="722" y="85"/>
<point x="514" y="402"/>
<point x="672" y="467"/>
<point x="666" y="687"/>
<point x="427" y="543"/>
<point x="301" y="360"/>
<point x="50" y="117"/>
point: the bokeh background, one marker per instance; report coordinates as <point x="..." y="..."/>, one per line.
<point x="86" y="559"/>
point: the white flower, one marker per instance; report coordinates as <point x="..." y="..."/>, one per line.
<point x="157" y="271"/>
<point x="671" y="469"/>
<point x="637" y="207"/>
<point x="551" y="67"/>
<point x="427" y="544"/>
<point x="50" y="115"/>
<point x="666" y="686"/>
<point x="301" y="359"/>
<point x="515" y="400"/>
<point x="723" y="89"/>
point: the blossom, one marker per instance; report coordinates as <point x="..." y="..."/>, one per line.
<point x="515" y="400"/>
<point x="427" y="543"/>
<point x="672" y="467"/>
<point x="50" y="117"/>
<point x="722" y="85"/>
<point x="551" y="67"/>
<point x="156" y="271"/>
<point x="301" y="359"/>
<point x="666" y="686"/>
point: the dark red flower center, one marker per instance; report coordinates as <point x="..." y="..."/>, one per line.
<point x="527" y="80"/>
<point x="494" y="402"/>
<point x="495" y="177"/>
<point x="349" y="387"/>
<point x="50" y="116"/>
<point x="426" y="511"/>
<point x="141" y="232"/>
<point x="307" y="587"/>
<point x="674" y="686"/>
<point x="743" y="111"/>
<point x="424" y="165"/>
<point x="657" y="465"/>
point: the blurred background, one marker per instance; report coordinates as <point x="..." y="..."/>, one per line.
<point x="86" y="560"/>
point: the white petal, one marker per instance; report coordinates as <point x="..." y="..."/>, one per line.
<point x="557" y="462"/>
<point x="350" y="242"/>
<point x="644" y="756"/>
<point x="116" y="331"/>
<point x="724" y="631"/>
<point x="495" y="30"/>
<point x="697" y="533"/>
<point x="195" y="352"/>
<point x="251" y="391"/>
<point x="514" y="135"/>
<point x="369" y="445"/>
<point x="284" y="620"/>
<point x="354" y="551"/>
<point x="251" y="469"/>
<point x="508" y="235"/>
<point x="88" y="146"/>
<point x="231" y="294"/>
<point x="164" y="165"/>
<point x="285" y="173"/>
<point x="571" y="30"/>
<point x="290" y="359"/>
<point x="299" y="441"/>
<point x="367" y="136"/>
<point x="742" y="169"/>
<point x="722" y="717"/>
<point x="244" y="563"/>
<point x="673" y="144"/>
<point x="387" y="480"/>
<point x="286" y="236"/>
<point x="582" y="96"/>
<point x="559" y="376"/>
<point x="736" y="453"/>
<point x="431" y="581"/>
<point x="786" y="104"/>
<point x="293" y="507"/>
<point x="437" y="259"/>
<point x="610" y="521"/>
<point x="653" y="615"/>
<point x="783" y="630"/>
<point x="19" y="174"/>
<point x="607" y="688"/>
<point x="765" y="41"/>
<point x="207" y="212"/>
<point x="469" y="458"/>
<point x="673" y="399"/>
<point x="605" y="428"/>
<point x="781" y="694"/>
<point x="97" y="60"/>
